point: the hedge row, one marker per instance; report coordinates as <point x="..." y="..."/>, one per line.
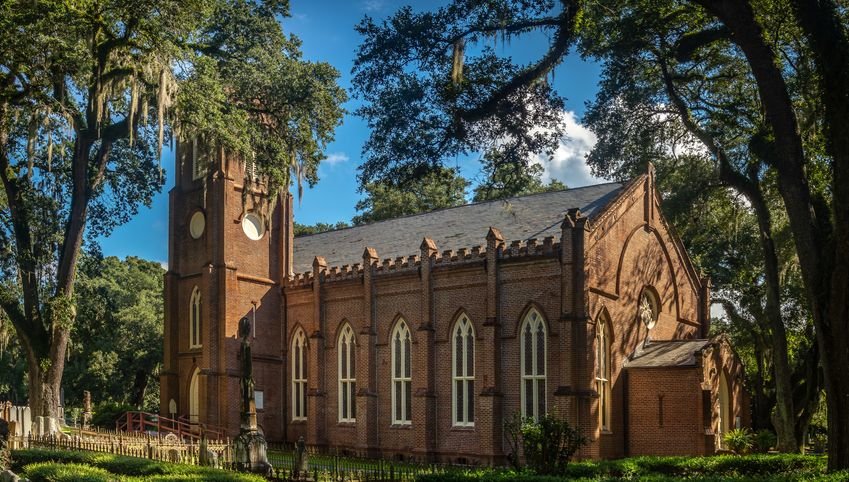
<point x="61" y="465"/>
<point x="716" y="468"/>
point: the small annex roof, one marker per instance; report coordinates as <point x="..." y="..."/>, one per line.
<point x="671" y="353"/>
<point x="518" y="218"/>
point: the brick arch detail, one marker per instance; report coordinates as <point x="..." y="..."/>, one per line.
<point x="456" y="318"/>
<point x="298" y="326"/>
<point x="532" y="305"/>
<point x="338" y="332"/>
<point x="668" y="258"/>
<point x="387" y="334"/>
<point x="603" y="312"/>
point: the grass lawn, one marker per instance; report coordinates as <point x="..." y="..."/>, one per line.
<point x="41" y="465"/>
<point x="714" y="468"/>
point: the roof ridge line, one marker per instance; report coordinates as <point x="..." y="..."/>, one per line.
<point x="463" y="206"/>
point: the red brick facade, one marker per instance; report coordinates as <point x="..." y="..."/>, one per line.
<point x="598" y="266"/>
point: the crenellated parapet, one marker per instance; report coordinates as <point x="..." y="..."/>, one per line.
<point x="449" y="258"/>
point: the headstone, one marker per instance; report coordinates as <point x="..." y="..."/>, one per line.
<point x="40" y="426"/>
<point x="301" y="458"/>
<point x="86" y="409"/>
<point x="9" y="476"/>
<point x="26" y="421"/>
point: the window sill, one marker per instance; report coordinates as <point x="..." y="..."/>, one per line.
<point x="346" y="423"/>
<point x="463" y="428"/>
<point x="605" y="431"/>
<point x="298" y="422"/>
<point x="402" y="426"/>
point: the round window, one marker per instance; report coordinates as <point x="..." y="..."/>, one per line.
<point x="253" y="226"/>
<point x="197" y="224"/>
<point x="647" y="311"/>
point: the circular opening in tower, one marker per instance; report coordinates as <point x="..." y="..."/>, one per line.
<point x="197" y="224"/>
<point x="253" y="226"/>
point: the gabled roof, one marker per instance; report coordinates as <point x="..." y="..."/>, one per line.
<point x="672" y="353"/>
<point x="518" y="218"/>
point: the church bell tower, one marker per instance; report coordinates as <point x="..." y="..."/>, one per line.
<point x="229" y="248"/>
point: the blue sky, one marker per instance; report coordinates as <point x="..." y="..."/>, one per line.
<point x="326" y="28"/>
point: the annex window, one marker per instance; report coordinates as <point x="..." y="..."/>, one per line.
<point x="194" y="319"/>
<point x="299" y="376"/>
<point x="463" y="373"/>
<point x="402" y="389"/>
<point x="602" y="374"/>
<point x="533" y="342"/>
<point x="346" y="347"/>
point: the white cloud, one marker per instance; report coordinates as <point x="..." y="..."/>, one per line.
<point x="568" y="163"/>
<point x="373" y="5"/>
<point x="164" y="265"/>
<point x="336" y="158"/>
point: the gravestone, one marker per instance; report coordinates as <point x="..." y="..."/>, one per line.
<point x="302" y="468"/>
<point x="86" y="409"/>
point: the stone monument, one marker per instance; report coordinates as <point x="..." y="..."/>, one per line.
<point x="86" y="409"/>
<point x="250" y="445"/>
<point x="302" y="469"/>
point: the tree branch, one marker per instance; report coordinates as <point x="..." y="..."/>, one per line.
<point x="559" y="48"/>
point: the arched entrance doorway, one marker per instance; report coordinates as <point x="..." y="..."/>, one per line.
<point x="724" y="411"/>
<point x="194" y="397"/>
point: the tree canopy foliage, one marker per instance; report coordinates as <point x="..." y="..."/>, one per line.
<point x="759" y="87"/>
<point x="443" y="188"/>
<point x="90" y="92"/>
<point x="116" y="347"/>
<point x="435" y="87"/>
<point x="504" y="179"/>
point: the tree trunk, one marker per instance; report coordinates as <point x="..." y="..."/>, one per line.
<point x="139" y="388"/>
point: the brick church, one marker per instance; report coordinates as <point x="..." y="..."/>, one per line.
<point x="417" y="337"/>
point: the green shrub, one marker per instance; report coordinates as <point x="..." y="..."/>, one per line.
<point x="59" y="472"/>
<point x="738" y="440"/>
<point x="21" y="458"/>
<point x="764" y="440"/>
<point x="116" y="467"/>
<point x="548" y="443"/>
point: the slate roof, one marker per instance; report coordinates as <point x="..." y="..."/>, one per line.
<point x="518" y="218"/>
<point x="672" y="353"/>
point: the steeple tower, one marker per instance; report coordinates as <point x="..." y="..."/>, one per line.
<point x="229" y="248"/>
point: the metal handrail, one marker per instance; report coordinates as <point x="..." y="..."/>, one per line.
<point x="136" y="421"/>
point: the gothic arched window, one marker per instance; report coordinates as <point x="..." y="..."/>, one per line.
<point x="346" y="347"/>
<point x="602" y="374"/>
<point x="402" y="388"/>
<point x="194" y="319"/>
<point x="463" y="372"/>
<point x="533" y="369"/>
<point x="299" y="376"/>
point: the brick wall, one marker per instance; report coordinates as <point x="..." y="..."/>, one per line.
<point x="594" y="267"/>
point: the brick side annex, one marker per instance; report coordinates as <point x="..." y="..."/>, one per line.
<point x="419" y="336"/>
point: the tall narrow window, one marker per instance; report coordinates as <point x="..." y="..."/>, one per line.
<point x="533" y="340"/>
<point x="602" y="374"/>
<point x="194" y="319"/>
<point x="200" y="159"/>
<point x="463" y="368"/>
<point x="299" y="376"/>
<point x="347" y="375"/>
<point x="402" y="388"/>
